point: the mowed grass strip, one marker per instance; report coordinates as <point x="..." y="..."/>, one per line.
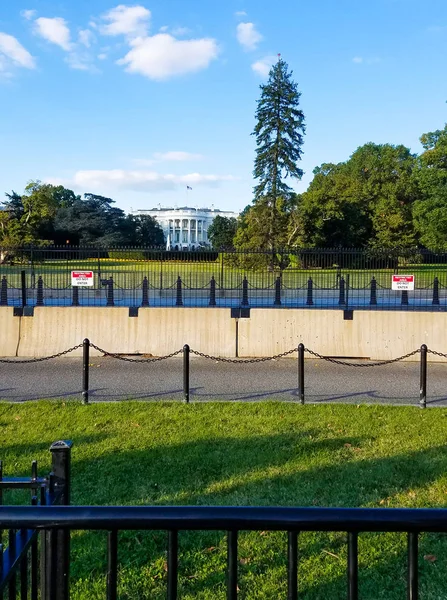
<point x="242" y="454"/>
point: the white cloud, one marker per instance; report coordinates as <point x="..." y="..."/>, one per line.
<point x="262" y="67"/>
<point x="28" y="14"/>
<point x="12" y="52"/>
<point x="357" y="59"/>
<point x="248" y="36"/>
<point x="177" y="156"/>
<point x="164" y="29"/>
<point x="162" y="56"/>
<point x="102" y="56"/>
<point x="141" y="180"/>
<point x="86" y="37"/>
<point x="240" y="13"/>
<point x="179" y="31"/>
<point x="55" y="31"/>
<point x="131" y="21"/>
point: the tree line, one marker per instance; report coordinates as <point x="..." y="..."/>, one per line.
<point x="382" y="197"/>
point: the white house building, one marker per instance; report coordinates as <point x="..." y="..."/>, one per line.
<point x="185" y="228"/>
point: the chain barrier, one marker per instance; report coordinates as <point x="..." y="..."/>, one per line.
<point x="246" y="361"/>
<point x="362" y="365"/>
<point x="436" y="353"/>
<point x="136" y="360"/>
<point x="41" y="359"/>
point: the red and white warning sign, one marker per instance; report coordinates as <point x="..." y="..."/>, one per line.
<point x="82" y="278"/>
<point x="403" y="282"/>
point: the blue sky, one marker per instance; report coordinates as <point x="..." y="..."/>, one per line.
<point x="136" y="101"/>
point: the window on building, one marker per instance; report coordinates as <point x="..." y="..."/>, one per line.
<point x="199" y="226"/>
<point x="177" y="236"/>
<point x="185" y="224"/>
<point x="177" y="223"/>
<point x="193" y="237"/>
<point x="193" y="223"/>
<point x="171" y="224"/>
<point x="185" y="237"/>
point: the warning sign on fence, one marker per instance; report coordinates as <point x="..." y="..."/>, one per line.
<point x="403" y="282"/>
<point x="82" y="278"/>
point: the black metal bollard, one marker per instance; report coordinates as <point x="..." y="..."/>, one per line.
<point x="145" y="298"/>
<point x="39" y="297"/>
<point x="55" y="549"/>
<point x="277" y="301"/>
<point x="373" y="295"/>
<point x="404" y="299"/>
<point x="23" y="282"/>
<point x="75" y="296"/>
<point x="179" y="298"/>
<point x="85" y="369"/>
<point x="4" y="292"/>
<point x="435" y="291"/>
<point x="301" y="350"/>
<point x="423" y="378"/>
<point x="244" y="292"/>
<point x="310" y="292"/>
<point x="212" y="301"/>
<point x="110" y="295"/>
<point x="186" y="373"/>
<point x="341" y="298"/>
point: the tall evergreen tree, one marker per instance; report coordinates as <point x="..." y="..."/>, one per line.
<point x="279" y="134"/>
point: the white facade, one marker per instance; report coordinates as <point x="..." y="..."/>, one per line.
<point x="185" y="228"/>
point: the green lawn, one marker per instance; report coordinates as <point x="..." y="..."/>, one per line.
<point x="242" y="454"/>
<point x="130" y="273"/>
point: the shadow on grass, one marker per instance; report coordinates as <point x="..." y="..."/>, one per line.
<point x="258" y="470"/>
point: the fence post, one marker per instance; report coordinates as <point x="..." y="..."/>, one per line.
<point x="55" y="572"/>
<point x="179" y="298"/>
<point x="277" y="301"/>
<point x="85" y="369"/>
<point x="75" y="296"/>
<point x="310" y="292"/>
<point x="373" y="296"/>
<point x="436" y="291"/>
<point x="301" y="350"/>
<point x="110" y="298"/>
<point x="404" y="299"/>
<point x="186" y="373"/>
<point x="212" y="301"/>
<point x="4" y="292"/>
<point x="39" y="298"/>
<point x="341" y="298"/>
<point x="145" y="298"/>
<point x="244" y="292"/>
<point x="23" y="282"/>
<point x="423" y="378"/>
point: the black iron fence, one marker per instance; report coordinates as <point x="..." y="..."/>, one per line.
<point x="22" y="570"/>
<point x="53" y="524"/>
<point x="305" y="278"/>
<point x="300" y="351"/>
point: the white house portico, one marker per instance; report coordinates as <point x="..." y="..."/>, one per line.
<point x="185" y="228"/>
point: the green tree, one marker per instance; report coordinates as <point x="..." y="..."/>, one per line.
<point x="279" y="132"/>
<point x="430" y="212"/>
<point x="143" y="230"/>
<point x="221" y="232"/>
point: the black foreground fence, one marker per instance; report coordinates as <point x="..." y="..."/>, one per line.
<point x="186" y="351"/>
<point x="144" y="277"/>
<point x="52" y="525"/>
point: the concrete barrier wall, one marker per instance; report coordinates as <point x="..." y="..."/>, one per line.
<point x="379" y="335"/>
<point x="158" y="331"/>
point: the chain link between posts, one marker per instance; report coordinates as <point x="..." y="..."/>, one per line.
<point x="247" y="361"/>
<point x="41" y="359"/>
<point x="363" y="365"/>
<point x="137" y="360"/>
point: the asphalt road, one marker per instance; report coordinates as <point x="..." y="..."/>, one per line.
<point x="112" y="380"/>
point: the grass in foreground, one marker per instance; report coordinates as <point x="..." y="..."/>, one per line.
<point x="242" y="454"/>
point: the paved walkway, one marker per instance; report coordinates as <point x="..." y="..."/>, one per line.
<point x="111" y="379"/>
